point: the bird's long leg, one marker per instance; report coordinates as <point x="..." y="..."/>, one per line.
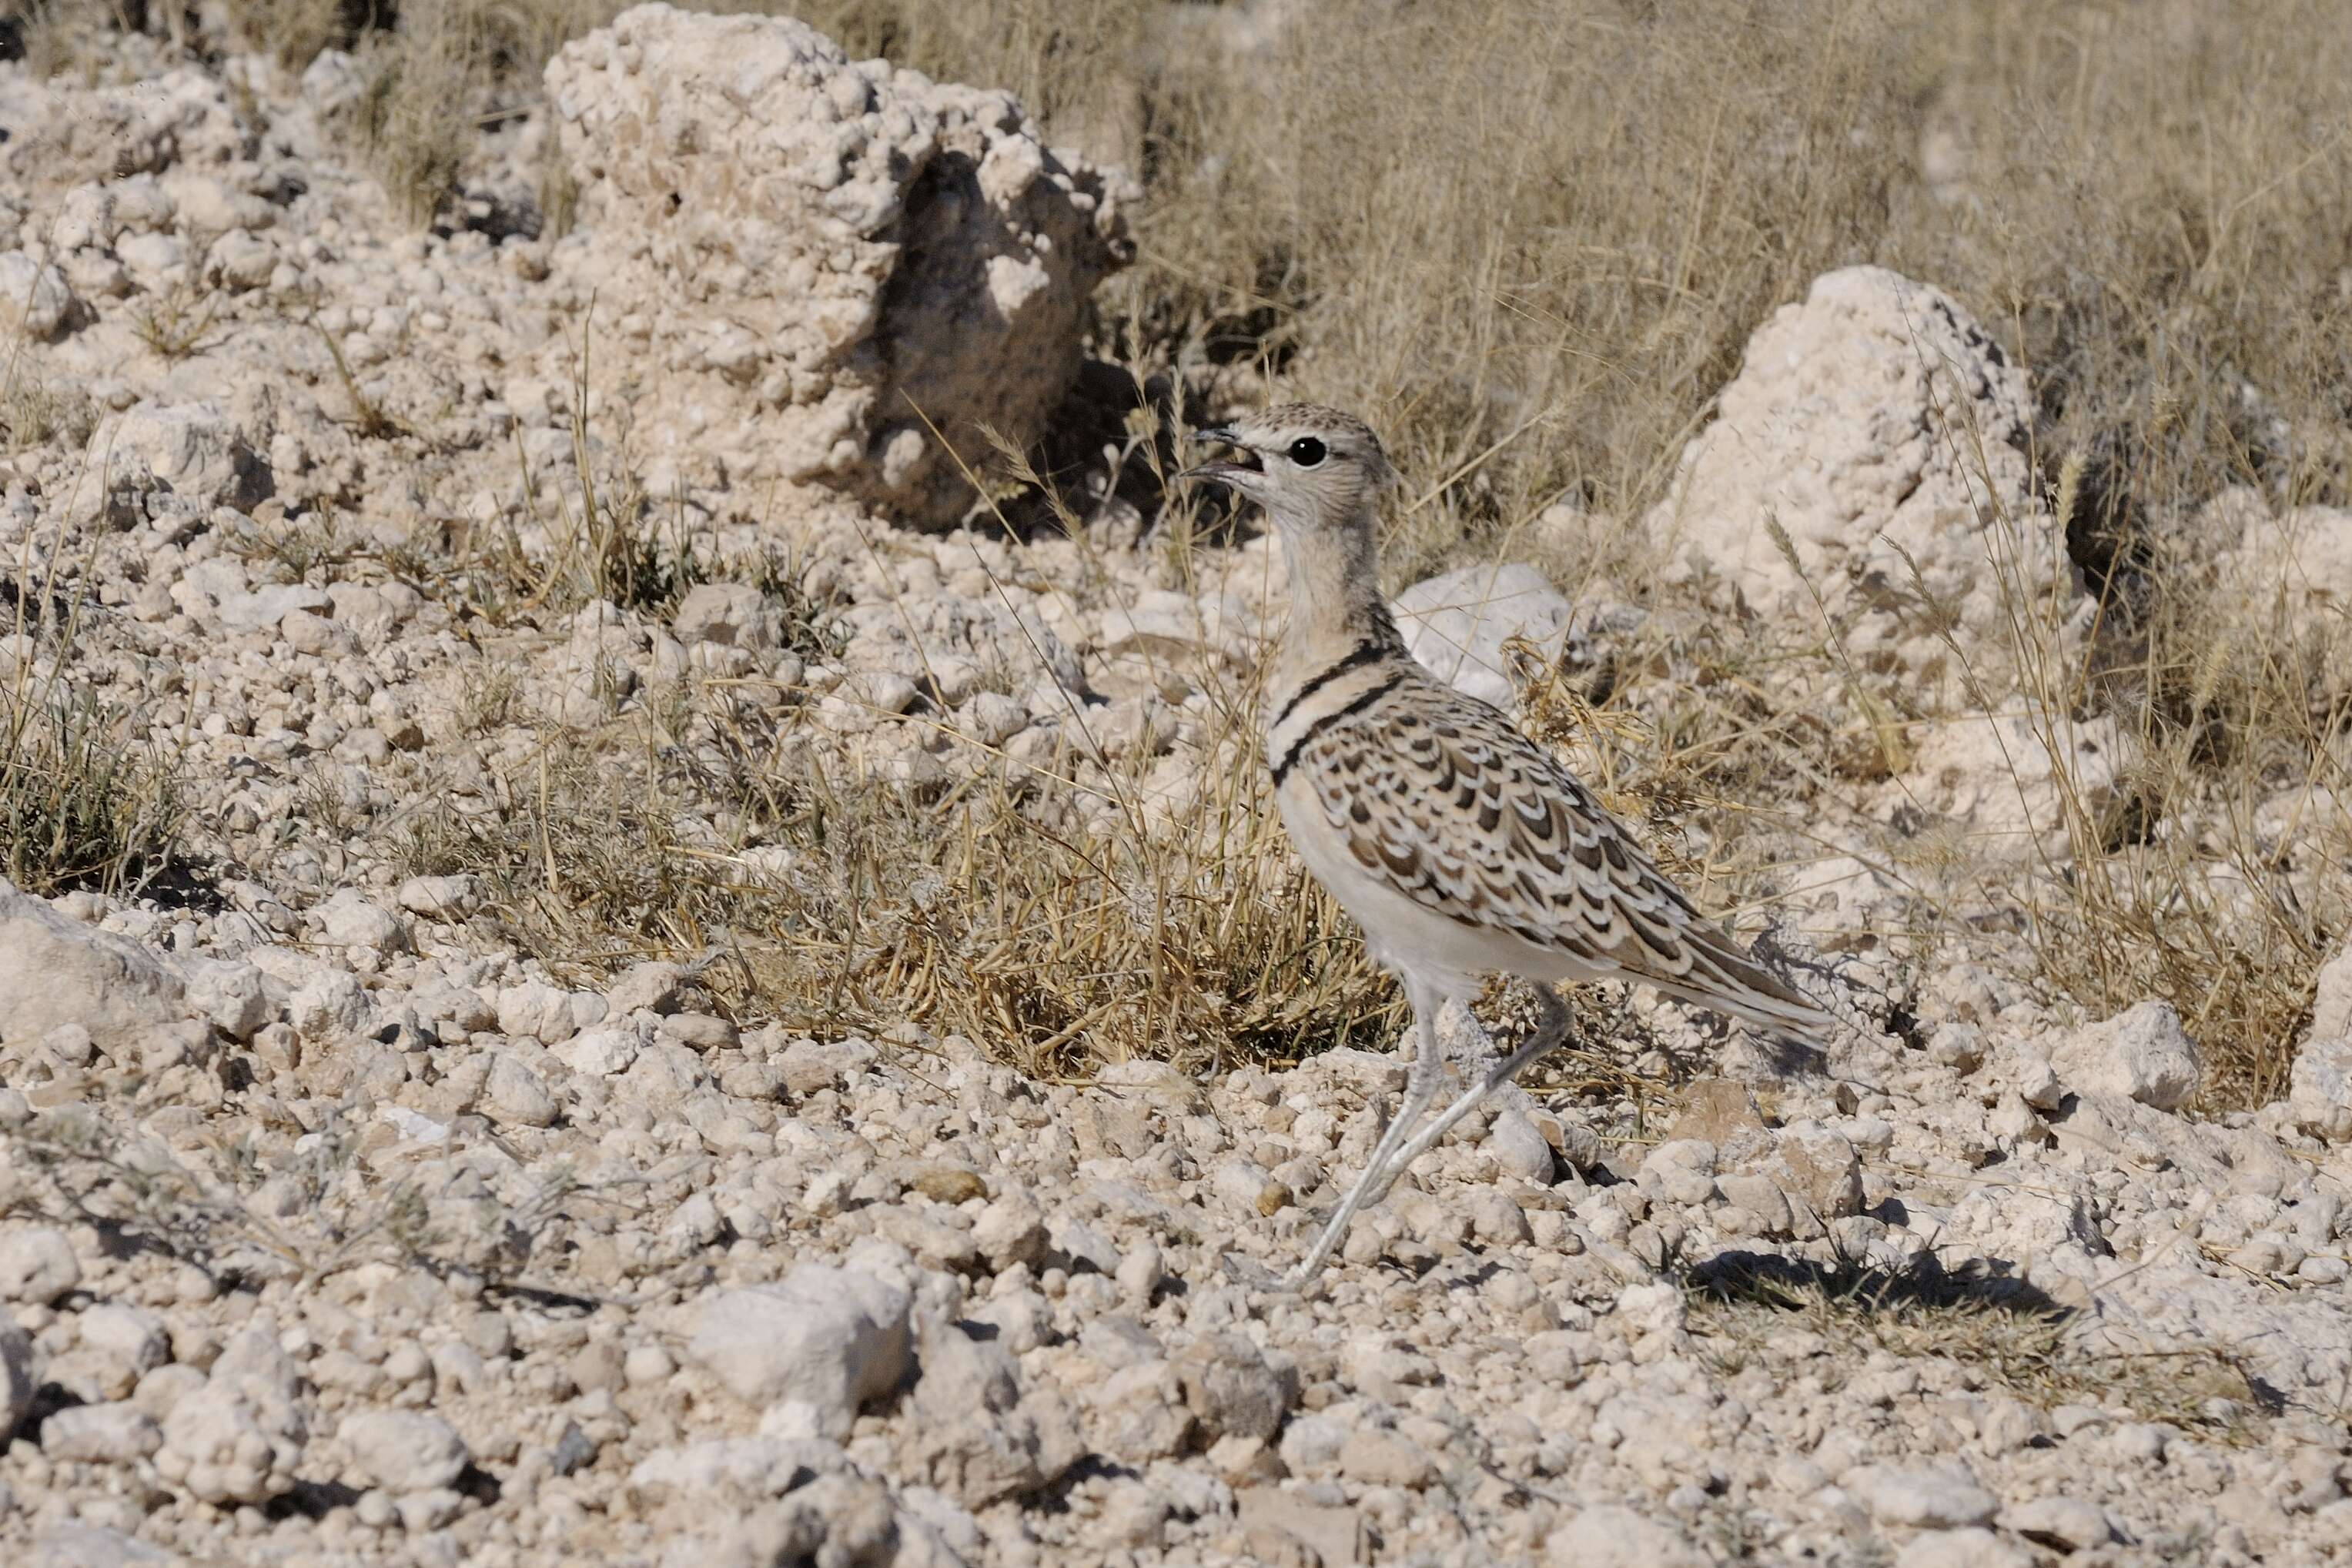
<point x="1548" y="1037"/>
<point x="1420" y="1089"/>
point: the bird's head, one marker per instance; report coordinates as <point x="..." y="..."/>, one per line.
<point x="1313" y="469"/>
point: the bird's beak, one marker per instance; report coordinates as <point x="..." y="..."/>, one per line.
<point x="1221" y="471"/>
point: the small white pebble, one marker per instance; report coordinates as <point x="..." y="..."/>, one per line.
<point x="648" y="1364"/>
<point x="408" y="1363"/>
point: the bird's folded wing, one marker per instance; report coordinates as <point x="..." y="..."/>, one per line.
<point x="1439" y="796"/>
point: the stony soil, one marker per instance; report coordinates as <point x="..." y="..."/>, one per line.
<point x="344" y="1220"/>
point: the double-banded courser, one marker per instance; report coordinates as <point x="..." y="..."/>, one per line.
<point x="1461" y="847"/>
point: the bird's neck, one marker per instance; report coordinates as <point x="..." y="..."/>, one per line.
<point x="1336" y="606"/>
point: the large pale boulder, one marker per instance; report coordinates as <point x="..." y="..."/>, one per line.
<point x="2142" y="1053"/>
<point x="2287" y="587"/>
<point x="1881" y="427"/>
<point x="60" y="135"/>
<point x="823" y="253"/>
<point x="2009" y="780"/>
<point x="34" y="301"/>
<point x="193" y="451"/>
<point x="829" y="1338"/>
<point x="54" y="970"/>
<point x="2331" y="1001"/>
<point x="1457" y="624"/>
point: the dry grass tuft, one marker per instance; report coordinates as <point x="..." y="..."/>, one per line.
<point x="81" y="1167"/>
<point x="85" y="801"/>
<point x="1998" y="1333"/>
<point x="174" y="325"/>
<point x="367" y="418"/>
<point x="33" y="414"/>
<point x="1070" y="940"/>
<point x="1064" y="922"/>
<point x="424" y="82"/>
<point x="87" y="798"/>
<point x="2218" y="873"/>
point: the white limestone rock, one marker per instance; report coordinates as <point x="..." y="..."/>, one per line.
<point x="1611" y="1535"/>
<point x="1859" y="423"/>
<point x="240" y="1438"/>
<point x="193" y="451"/>
<point x="54" y="970"/>
<point x="829" y="1338"/>
<point x="2142" y="1052"/>
<point x="2319" y="1089"/>
<point x="34" y="300"/>
<point x="108" y="1434"/>
<point x="1930" y="1497"/>
<point x="827" y="246"/>
<point x="404" y="1450"/>
<point x="439" y="897"/>
<point x="517" y="1097"/>
<point x="232" y="995"/>
<point x="2008" y="780"/>
<point x="1457" y="624"/>
<point x="2067" y="1523"/>
<point x="37" y="1266"/>
<point x="736" y="614"/>
<point x="118" y="1344"/>
<point x="1234" y="1389"/>
<point x="548" y="1014"/>
<point x="351" y="919"/>
<point x="76" y="1545"/>
<point x="1973" y="1547"/>
<point x="327" y="1005"/>
<point x="2288" y="581"/>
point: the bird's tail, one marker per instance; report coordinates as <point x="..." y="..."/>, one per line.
<point x="1725" y="979"/>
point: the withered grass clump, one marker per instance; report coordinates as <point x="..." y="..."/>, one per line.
<point x="1999" y="1333"/>
<point x="414" y="118"/>
<point x="2218" y="877"/>
<point x="34" y="414"/>
<point x="1014" y="908"/>
<point x="87" y="800"/>
<point x="1198" y="941"/>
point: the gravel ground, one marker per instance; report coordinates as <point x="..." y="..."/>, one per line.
<point x="348" y="1216"/>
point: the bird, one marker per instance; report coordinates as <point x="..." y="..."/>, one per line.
<point x="1463" y="849"/>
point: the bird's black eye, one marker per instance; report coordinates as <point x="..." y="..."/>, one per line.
<point x="1306" y="451"/>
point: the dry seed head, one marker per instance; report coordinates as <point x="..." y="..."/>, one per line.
<point x="2069" y="486"/>
<point x="2214" y="663"/>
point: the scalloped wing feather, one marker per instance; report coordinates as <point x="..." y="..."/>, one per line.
<point x="1440" y="797"/>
